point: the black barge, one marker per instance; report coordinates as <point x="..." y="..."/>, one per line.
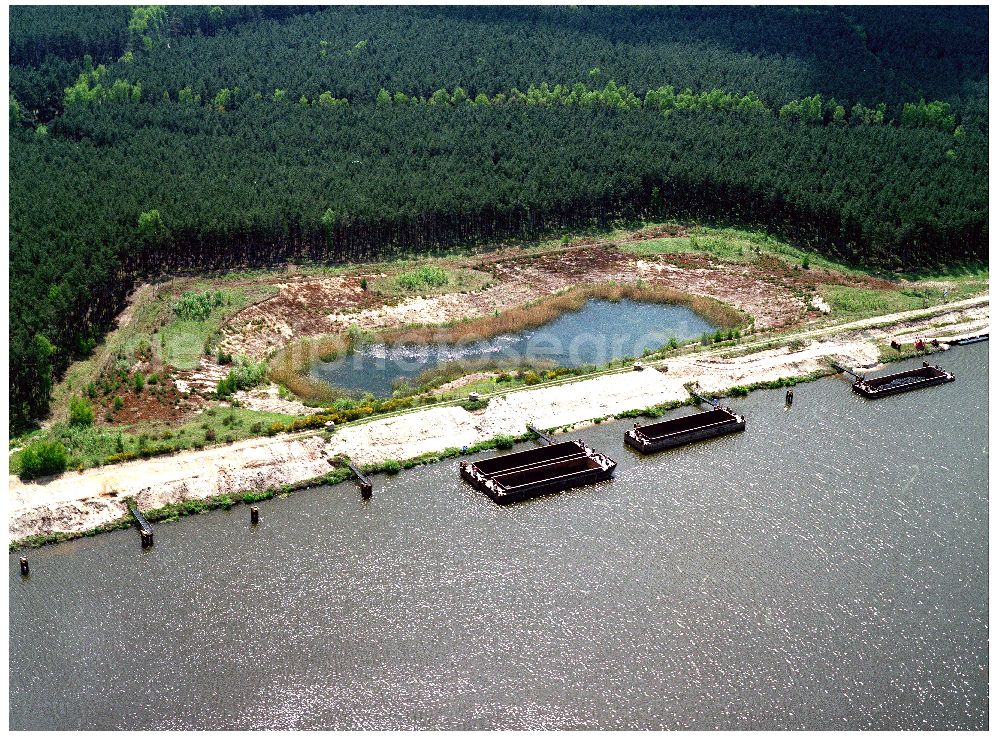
<point x="690" y="428"/>
<point x="972" y="340"/>
<point x="908" y="380"/>
<point x="522" y="475"/>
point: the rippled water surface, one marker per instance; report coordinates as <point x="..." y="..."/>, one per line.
<point x="599" y="332"/>
<point x="825" y="569"/>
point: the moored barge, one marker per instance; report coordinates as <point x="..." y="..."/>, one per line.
<point x="690" y="428"/>
<point x="521" y="475"/>
<point x="908" y="380"/>
<point x="972" y="340"/>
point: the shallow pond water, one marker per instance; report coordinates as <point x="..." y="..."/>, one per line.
<point x="825" y="569"/>
<point x="599" y="332"/>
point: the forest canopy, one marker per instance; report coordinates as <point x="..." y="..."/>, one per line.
<point x="158" y="139"/>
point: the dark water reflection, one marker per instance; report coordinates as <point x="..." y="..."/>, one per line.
<point x="599" y="332"/>
<point x="825" y="569"/>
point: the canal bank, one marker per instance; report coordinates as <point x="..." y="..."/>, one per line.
<point x="77" y="502"/>
<point x="826" y="569"/>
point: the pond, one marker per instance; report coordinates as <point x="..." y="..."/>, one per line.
<point x="826" y="569"/>
<point x="599" y="332"/>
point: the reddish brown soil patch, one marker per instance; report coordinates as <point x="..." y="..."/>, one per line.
<point x="161" y="400"/>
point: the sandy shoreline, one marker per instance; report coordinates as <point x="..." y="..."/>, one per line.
<point x="76" y="502"/>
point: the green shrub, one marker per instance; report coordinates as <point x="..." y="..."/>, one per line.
<point x="209" y="435"/>
<point x="197" y="306"/>
<point x="392" y="466"/>
<point x="138" y="382"/>
<point x="503" y="441"/>
<point x="118" y="403"/>
<point x="426" y="276"/>
<point x="44" y="457"/>
<point x="81" y="413"/>
<point x="245" y="375"/>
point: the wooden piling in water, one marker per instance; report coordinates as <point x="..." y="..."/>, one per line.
<point x="364" y="482"/>
<point x="145" y="528"/>
<point x="544" y="437"/>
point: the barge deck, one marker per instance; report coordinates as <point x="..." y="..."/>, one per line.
<point x="972" y="340"/>
<point x="686" y="429"/>
<point x="908" y="380"/>
<point x="521" y="475"/>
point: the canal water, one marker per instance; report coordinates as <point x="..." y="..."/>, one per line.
<point x="826" y="569"/>
<point x="599" y="332"/>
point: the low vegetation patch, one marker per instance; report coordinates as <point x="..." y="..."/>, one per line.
<point x="244" y="376"/>
<point x="191" y="328"/>
<point x="92" y="446"/>
<point x="431" y="280"/>
<point x="849" y="302"/>
<point x="42" y="457"/>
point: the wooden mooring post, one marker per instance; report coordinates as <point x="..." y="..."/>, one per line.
<point x="544" y="437"/>
<point x="364" y="482"/>
<point x="145" y="528"/>
<point x="25" y="570"/>
<point x="254" y="515"/>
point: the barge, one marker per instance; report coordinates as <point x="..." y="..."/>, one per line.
<point x="691" y="428"/>
<point x="908" y="380"/>
<point x="972" y="340"/>
<point x="521" y="475"/>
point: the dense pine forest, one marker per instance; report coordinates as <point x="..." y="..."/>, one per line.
<point x="160" y="139"/>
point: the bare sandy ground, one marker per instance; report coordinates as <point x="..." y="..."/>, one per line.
<point x="75" y="502"/>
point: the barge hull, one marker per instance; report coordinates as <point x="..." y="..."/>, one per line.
<point x="908" y="380"/>
<point x="686" y="430"/>
<point x="541" y="488"/>
<point x="521" y="475"/>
